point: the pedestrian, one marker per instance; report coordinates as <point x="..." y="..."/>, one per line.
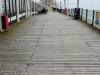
<point x="44" y="11"/>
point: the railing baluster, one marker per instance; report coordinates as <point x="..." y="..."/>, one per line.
<point x="93" y="17"/>
<point x="86" y="14"/>
<point x="81" y="13"/>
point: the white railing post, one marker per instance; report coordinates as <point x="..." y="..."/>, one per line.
<point x="17" y="9"/>
<point x="30" y="8"/>
<point x="26" y="9"/>
<point x="0" y="15"/>
<point x="34" y="7"/>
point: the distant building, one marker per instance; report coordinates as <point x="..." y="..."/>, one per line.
<point x="49" y="3"/>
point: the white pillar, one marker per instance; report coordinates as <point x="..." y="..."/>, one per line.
<point x="0" y="15"/>
<point x="31" y="8"/>
<point x="17" y="7"/>
<point x="26" y="7"/>
<point x="34" y="7"/>
<point x="67" y="4"/>
<point x="41" y="7"/>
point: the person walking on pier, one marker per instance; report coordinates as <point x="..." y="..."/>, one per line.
<point x="44" y="11"/>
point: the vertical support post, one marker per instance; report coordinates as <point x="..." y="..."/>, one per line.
<point x="34" y="8"/>
<point x="86" y="14"/>
<point x="69" y="12"/>
<point x="30" y="8"/>
<point x="0" y="15"/>
<point x="81" y="13"/>
<point x="67" y="4"/>
<point x="93" y="17"/>
<point x="72" y="12"/>
<point x="60" y="5"/>
<point x="41" y="7"/>
<point x="77" y="3"/>
<point x="26" y="7"/>
<point x="17" y="10"/>
<point x="56" y="7"/>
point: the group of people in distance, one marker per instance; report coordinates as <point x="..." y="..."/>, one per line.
<point x="43" y="11"/>
<point x="54" y="9"/>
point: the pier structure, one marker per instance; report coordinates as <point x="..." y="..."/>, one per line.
<point x="49" y="44"/>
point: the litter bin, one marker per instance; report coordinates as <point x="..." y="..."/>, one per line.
<point x="5" y="23"/>
<point x="77" y="13"/>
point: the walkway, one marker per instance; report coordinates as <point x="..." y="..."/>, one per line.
<point x="52" y="44"/>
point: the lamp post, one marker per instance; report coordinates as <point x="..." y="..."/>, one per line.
<point x="77" y="3"/>
<point x="60" y="5"/>
<point x="65" y="10"/>
<point x="65" y="3"/>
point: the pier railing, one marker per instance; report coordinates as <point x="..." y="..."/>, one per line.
<point x="10" y="8"/>
<point x="91" y="17"/>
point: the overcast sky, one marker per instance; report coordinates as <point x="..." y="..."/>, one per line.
<point x="86" y="4"/>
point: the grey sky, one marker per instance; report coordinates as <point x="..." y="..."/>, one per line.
<point x="86" y="4"/>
